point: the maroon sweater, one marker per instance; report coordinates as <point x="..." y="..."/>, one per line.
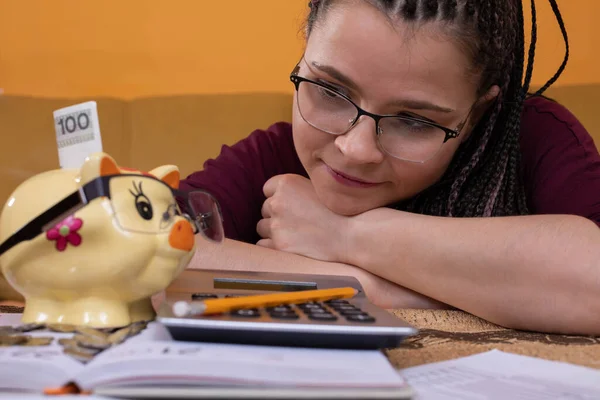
<point x="560" y="166"/>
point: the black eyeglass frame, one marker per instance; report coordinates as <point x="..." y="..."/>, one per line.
<point x="297" y="80"/>
<point x="98" y="187"/>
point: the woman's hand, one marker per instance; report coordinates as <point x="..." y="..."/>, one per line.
<point x="295" y="221"/>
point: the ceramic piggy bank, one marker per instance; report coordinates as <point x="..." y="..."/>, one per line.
<point x="91" y="246"/>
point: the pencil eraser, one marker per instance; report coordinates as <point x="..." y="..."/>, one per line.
<point x="181" y="308"/>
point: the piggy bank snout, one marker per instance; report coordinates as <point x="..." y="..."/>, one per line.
<point x="181" y="236"/>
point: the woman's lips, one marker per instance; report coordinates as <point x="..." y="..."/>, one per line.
<point x="349" y="180"/>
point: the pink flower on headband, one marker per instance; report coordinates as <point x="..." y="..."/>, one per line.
<point x="66" y="232"/>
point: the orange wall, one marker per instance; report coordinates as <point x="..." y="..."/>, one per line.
<point x="130" y="48"/>
<point x="580" y="18"/>
<point x="145" y="47"/>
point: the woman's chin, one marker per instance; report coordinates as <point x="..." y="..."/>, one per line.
<point x="347" y="207"/>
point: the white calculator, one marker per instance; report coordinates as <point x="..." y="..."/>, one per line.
<point x="351" y="323"/>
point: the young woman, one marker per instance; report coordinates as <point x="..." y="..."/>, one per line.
<point x="417" y="163"/>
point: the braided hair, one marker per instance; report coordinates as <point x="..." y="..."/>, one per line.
<point x="484" y="177"/>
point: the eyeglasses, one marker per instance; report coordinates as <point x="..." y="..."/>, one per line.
<point x="403" y="137"/>
<point x="140" y="204"/>
<point x="205" y="212"/>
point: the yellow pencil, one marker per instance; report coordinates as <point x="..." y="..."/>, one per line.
<point x="217" y="306"/>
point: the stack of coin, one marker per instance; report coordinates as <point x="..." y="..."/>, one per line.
<point x="15" y="336"/>
<point x="87" y="342"/>
<point x="84" y="344"/>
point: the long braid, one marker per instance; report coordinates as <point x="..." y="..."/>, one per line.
<point x="410" y="9"/>
<point x="449" y="9"/>
<point x="430" y="9"/>
<point x="506" y="172"/>
<point x="491" y="20"/>
<point x="476" y="185"/>
<point x="514" y="183"/>
<point x="484" y="177"/>
<point x="563" y="30"/>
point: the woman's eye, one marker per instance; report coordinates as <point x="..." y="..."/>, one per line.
<point x="415" y="124"/>
<point x="409" y="121"/>
<point x="328" y="93"/>
<point x="334" y="89"/>
<point x="401" y="122"/>
<point x="406" y="125"/>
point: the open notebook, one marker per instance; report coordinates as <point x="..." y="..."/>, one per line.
<point x="151" y="366"/>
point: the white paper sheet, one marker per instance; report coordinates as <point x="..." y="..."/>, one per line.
<point x="10" y="319"/>
<point x="499" y="375"/>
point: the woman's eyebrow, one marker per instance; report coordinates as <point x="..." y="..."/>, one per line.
<point x="406" y="103"/>
<point x="421" y="105"/>
<point x="334" y="73"/>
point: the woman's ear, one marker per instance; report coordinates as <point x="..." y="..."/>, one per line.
<point x="479" y="110"/>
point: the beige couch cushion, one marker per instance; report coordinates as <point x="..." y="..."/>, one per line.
<point x="187" y="130"/>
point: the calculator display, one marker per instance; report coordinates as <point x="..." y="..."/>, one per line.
<point x="265" y="285"/>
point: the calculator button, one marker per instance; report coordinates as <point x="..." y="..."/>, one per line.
<point x="342" y="307"/>
<point x="311" y="309"/>
<point x="198" y="296"/>
<point x="309" y="305"/>
<point x="322" y="317"/>
<point x="336" y="301"/>
<point x="279" y="309"/>
<point x="360" y="318"/>
<point x="284" y="315"/>
<point x="351" y="312"/>
<point x="246" y="312"/>
<point x="316" y="311"/>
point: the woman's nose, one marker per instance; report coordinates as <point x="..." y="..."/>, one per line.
<point x="360" y="143"/>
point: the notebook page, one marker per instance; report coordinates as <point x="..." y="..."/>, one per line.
<point x="499" y="375"/>
<point x="164" y="362"/>
<point x="10" y="319"/>
<point x="35" y="368"/>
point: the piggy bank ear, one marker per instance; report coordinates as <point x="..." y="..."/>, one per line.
<point x="96" y="165"/>
<point x="169" y="174"/>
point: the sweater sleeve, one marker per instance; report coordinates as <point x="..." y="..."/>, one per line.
<point x="237" y="175"/>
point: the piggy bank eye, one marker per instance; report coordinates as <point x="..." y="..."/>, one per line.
<point x="142" y="202"/>
<point x="144" y="207"/>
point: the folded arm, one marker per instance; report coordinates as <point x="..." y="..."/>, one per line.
<point x="240" y="256"/>
<point x="529" y="272"/>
